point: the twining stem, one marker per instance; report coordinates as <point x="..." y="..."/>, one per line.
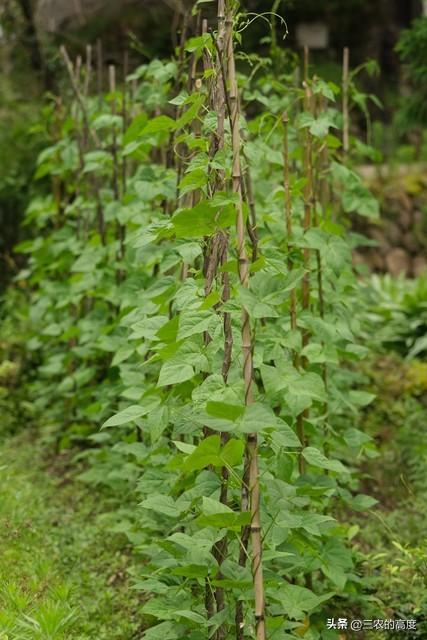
<point x="345" y="104"/>
<point x="243" y="266"/>
<point x="251" y="224"/>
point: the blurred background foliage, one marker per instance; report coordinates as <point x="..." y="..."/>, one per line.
<point x="31" y="32"/>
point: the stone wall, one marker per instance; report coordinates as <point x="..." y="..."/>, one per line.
<point x="401" y="233"/>
<point x="55" y="15"/>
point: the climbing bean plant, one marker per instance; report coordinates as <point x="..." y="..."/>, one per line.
<point x="189" y="309"/>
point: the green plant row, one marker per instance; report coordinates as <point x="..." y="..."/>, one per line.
<point x="188" y="303"/>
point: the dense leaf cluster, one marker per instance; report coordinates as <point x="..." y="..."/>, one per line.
<point x="133" y="307"/>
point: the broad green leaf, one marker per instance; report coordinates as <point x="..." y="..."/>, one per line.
<point x="202" y="220"/>
<point x="205" y="454"/>
<point x="317" y="459"/>
<point x="215" y="514"/>
<point x="224" y="411"/>
<point x="337" y="562"/>
<point x="284" y="437"/>
<point x="233" y="521"/>
<point x="298" y="601"/>
<point x="163" y="631"/>
<point x="314" y="523"/>
<point x="193" y="180"/>
<point x="174" y="372"/>
<point x="165" y="505"/>
<point x="232" y="453"/>
<point x="121" y="355"/>
<point x="107" y="121"/>
<point x="156" y="125"/>
<point x="193" y="322"/>
<point x="134" y="130"/>
<point x="361" y="398"/>
<point x="184" y="447"/>
<point x="191" y="113"/>
<point x="256" y="417"/>
<point x="198" y="43"/>
<point x="363" y="502"/>
<point x="359" y="199"/>
<point x="255" y="306"/>
<point x="209" y="452"/>
<point x="133" y="412"/>
<point x="356" y="438"/>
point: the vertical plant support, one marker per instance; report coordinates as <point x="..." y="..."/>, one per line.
<point x="99" y="70"/>
<point x="307" y="222"/>
<point x="243" y="266"/>
<point x="345" y="101"/>
<point x="288" y="218"/>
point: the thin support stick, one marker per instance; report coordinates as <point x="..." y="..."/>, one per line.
<point x="345" y="100"/>
<point x="243" y="262"/>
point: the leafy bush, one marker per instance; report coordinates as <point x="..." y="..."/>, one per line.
<point x="412" y="48"/>
<point x="397" y="309"/>
<point x="188" y="289"/>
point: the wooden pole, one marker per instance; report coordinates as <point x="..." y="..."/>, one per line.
<point x="345" y="102"/>
<point x="247" y="346"/>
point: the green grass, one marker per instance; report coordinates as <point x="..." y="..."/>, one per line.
<point x="62" y="573"/>
<point x="393" y="536"/>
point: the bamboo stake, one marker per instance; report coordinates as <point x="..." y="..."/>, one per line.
<point x="243" y="262"/>
<point x="125" y="117"/>
<point x="220" y="109"/>
<point x="307" y="222"/>
<point x="121" y="229"/>
<point x="99" y="69"/>
<point x="293" y="304"/>
<point x="87" y="132"/>
<point x="88" y="76"/>
<point x="324" y="190"/>
<point x="345" y="104"/>
<point x="288" y="212"/>
<point x="322" y="194"/>
<point x="79" y="97"/>
<point x="217" y="253"/>
<point x="112" y="86"/>
<point x="308" y="192"/>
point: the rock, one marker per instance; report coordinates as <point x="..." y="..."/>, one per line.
<point x="410" y="243"/>
<point x="376" y="261"/>
<point x="398" y="261"/>
<point x="419" y="217"/>
<point x="394" y="234"/>
<point x="405" y="218"/>
<point x="358" y="258"/>
<point x="380" y="236"/>
<point x="419" y="265"/>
